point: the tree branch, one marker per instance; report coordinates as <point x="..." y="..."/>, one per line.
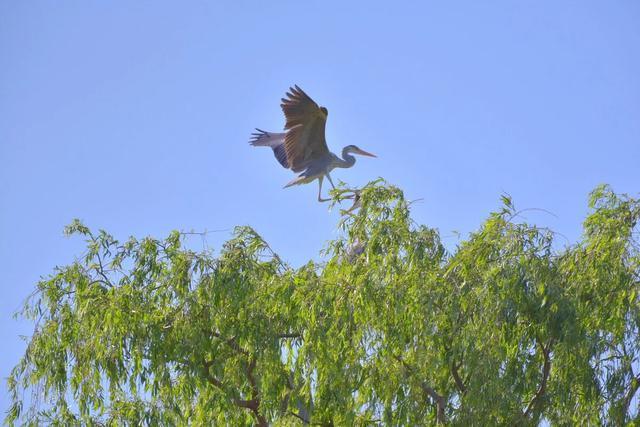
<point x="231" y="342"/>
<point x="635" y="385"/>
<point x="250" y="377"/>
<point x="289" y="335"/>
<point x="456" y="377"/>
<point x="536" y="402"/>
<point x="255" y="392"/>
<point x="440" y="401"/>
<point x="213" y="380"/>
<point x="301" y="418"/>
<point x="100" y="270"/>
<point x="252" y="404"/>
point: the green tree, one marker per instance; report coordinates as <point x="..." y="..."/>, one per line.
<point x="391" y="329"/>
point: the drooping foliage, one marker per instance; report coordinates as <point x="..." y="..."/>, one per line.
<point x="390" y="329"/>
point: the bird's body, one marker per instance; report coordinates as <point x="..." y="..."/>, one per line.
<point x="303" y="148"/>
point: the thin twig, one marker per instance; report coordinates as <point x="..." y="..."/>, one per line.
<point x="536" y="401"/>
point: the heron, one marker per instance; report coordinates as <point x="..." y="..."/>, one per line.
<point x="303" y="147"/>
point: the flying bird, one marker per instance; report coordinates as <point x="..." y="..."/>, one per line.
<point x="303" y="147"/>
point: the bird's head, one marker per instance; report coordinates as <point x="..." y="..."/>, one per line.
<point x="356" y="150"/>
<point x="325" y="111"/>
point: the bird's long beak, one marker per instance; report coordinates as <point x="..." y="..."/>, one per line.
<point x="364" y="153"/>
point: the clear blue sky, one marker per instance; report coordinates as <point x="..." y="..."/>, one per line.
<point x="135" y="116"/>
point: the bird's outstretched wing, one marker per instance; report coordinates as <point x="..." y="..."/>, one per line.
<point x="305" y="125"/>
<point x="262" y="138"/>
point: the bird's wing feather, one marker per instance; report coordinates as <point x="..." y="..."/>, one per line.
<point x="274" y="140"/>
<point x="305" y="122"/>
<point x="262" y="138"/>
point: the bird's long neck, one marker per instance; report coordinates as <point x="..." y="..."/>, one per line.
<point x="347" y="159"/>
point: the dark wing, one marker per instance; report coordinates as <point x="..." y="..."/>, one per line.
<point x="305" y="140"/>
<point x="262" y="138"/>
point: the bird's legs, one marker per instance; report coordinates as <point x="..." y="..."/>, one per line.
<point x="356" y="203"/>
<point x="331" y="181"/>
<point x="320" y="199"/>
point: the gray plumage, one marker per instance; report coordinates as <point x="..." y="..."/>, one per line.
<point x="303" y="147"/>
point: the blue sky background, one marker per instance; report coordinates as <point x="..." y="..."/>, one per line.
<point x="135" y="116"/>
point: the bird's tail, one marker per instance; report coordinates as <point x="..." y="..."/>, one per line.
<point x="300" y="179"/>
